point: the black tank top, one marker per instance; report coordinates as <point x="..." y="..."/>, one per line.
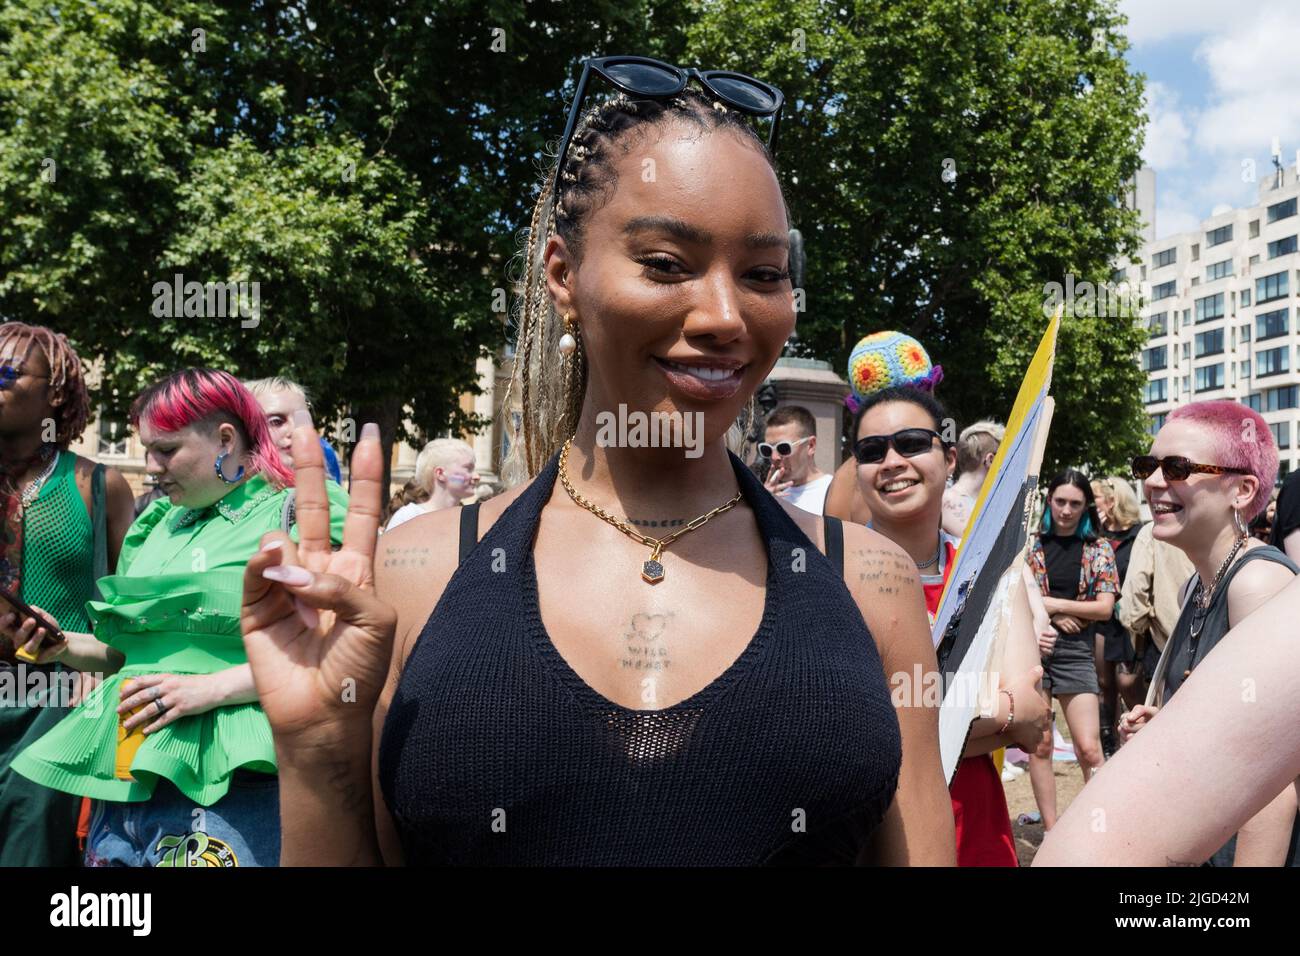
<point x="495" y="751"/>
<point x="1216" y="619"/>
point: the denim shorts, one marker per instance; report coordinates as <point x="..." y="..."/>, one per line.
<point x="1071" y="668"/>
<point x="170" y="829"/>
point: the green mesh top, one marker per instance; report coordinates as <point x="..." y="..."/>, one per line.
<point x="59" y="549"/>
<point x="173" y="607"/>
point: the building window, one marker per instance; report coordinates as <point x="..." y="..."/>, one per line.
<point x="1118" y="275"/>
<point x="1155" y="359"/>
<point x="1276" y="399"/>
<point x="1281" y="433"/>
<point x="1158" y="324"/>
<point x="1254" y="229"/>
<point x="1269" y="325"/>
<point x="1156" y="391"/>
<point x="1209" y="343"/>
<point x="1244" y="370"/>
<point x="1165" y="258"/>
<point x="1220" y="270"/>
<point x="1255" y="400"/>
<point x="1272" y="362"/>
<point x="1144" y="272"/>
<point x="1210" y="307"/>
<point x="1245" y="297"/>
<point x="1209" y="377"/>
<point x="1157" y="423"/>
<point x="1282" y="247"/>
<point x="1165" y="290"/>
<point x="1281" y="210"/>
<point x="112" y="438"/>
<point x="1217" y="237"/>
<point x="1196" y="251"/>
<point x="1271" y="287"/>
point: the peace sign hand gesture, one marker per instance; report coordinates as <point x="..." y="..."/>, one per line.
<point x="317" y="637"/>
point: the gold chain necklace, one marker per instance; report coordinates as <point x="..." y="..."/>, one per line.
<point x="652" y="572"/>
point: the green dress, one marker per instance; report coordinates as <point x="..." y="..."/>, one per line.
<point x="38" y="826"/>
<point x="173" y="607"/>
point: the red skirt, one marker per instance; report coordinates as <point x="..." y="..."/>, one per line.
<point x="979" y="808"/>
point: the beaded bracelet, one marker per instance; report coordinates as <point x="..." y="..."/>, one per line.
<point x="1012" y="716"/>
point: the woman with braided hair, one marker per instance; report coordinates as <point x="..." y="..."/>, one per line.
<point x="563" y="687"/>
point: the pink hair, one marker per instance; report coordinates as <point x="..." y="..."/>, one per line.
<point x="1240" y="438"/>
<point x="198" y="394"/>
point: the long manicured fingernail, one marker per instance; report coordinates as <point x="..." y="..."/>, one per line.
<point x="288" y="574"/>
<point x="307" y="613"/>
<point x="274" y="545"/>
<point x="302" y="417"/>
<point x="370" y="430"/>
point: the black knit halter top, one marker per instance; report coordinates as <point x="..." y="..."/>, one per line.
<point x="495" y="751"/>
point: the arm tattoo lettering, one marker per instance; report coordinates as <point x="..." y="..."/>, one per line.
<point x="889" y="574"/>
<point x="405" y="557"/>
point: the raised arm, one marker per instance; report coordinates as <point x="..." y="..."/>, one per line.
<point x="918" y="830"/>
<point x="1174" y="794"/>
<point x="318" y="641"/>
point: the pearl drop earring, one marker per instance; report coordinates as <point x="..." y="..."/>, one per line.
<point x="568" y="344"/>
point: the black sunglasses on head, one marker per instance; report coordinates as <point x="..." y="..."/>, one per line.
<point x="1178" y="468"/>
<point x="909" y="442"/>
<point x="647" y="78"/>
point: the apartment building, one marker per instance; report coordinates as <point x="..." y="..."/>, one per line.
<point x="1221" y="309"/>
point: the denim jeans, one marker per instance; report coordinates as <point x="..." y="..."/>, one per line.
<point x="169" y="829"/>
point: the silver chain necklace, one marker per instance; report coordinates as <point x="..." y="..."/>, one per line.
<point x="34" y="486"/>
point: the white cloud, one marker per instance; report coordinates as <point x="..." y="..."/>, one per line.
<point x="1150" y="21"/>
<point x="1253" y="74"/>
<point x="1174" y="219"/>
<point x="1167" y="132"/>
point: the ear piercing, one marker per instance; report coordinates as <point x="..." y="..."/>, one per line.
<point x="568" y="344"/>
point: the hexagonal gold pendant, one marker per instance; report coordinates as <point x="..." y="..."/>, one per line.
<point x="652" y="572"/>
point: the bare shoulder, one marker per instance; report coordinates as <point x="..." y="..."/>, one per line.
<point x="414" y="562"/>
<point x="116" y="486"/>
<point x="809" y="523"/>
<point x="1253" y="585"/>
<point x="884" y="582"/>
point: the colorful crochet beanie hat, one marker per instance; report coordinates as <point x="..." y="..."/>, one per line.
<point x="885" y="359"/>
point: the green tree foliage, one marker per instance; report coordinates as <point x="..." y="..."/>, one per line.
<point x="371" y="165"/>
<point x="1031" y="106"/>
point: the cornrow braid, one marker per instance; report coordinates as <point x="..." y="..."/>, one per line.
<point x="66" y="377"/>
<point x="552" y="389"/>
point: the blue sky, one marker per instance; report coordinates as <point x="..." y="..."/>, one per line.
<point x="1223" y="80"/>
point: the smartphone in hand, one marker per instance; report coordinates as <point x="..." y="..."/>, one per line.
<point x="53" y="635"/>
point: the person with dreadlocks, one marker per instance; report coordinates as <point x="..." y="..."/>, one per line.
<point x="564" y="689"/>
<point x="61" y="527"/>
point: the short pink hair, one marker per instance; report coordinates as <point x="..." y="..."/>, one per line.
<point x="200" y="394"/>
<point x="1241" y="439"/>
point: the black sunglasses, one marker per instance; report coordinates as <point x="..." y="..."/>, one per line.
<point x="1178" y="468"/>
<point x="909" y="442"/>
<point x="646" y="78"/>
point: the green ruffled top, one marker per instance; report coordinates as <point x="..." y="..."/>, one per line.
<point x="173" y="607"/>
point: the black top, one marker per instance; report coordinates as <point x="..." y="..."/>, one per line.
<point x="1064" y="560"/>
<point x="1216" y="618"/>
<point x="496" y="752"/>
<point x="1287" y="518"/>
<point x="1121" y="542"/>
